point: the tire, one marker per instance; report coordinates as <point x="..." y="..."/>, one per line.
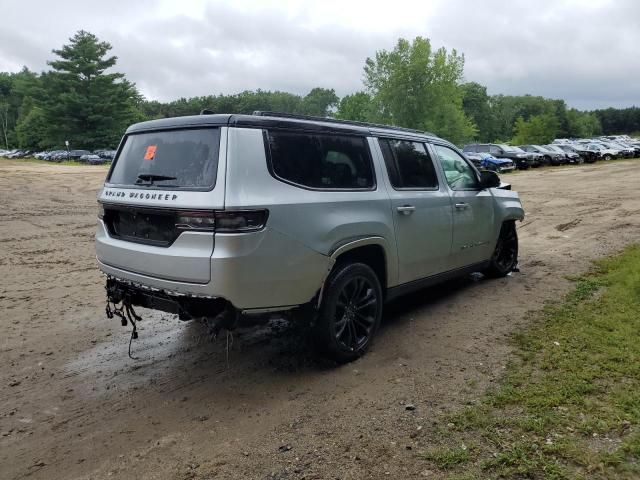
<point x="505" y="255"/>
<point x="607" y="157"/>
<point x="350" y="312"/>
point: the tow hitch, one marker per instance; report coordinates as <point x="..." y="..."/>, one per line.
<point x="215" y="313"/>
<point x="127" y="314"/>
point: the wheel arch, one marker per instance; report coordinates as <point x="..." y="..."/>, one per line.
<point x="372" y="251"/>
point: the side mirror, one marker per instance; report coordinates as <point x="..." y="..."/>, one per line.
<point x="489" y="179"/>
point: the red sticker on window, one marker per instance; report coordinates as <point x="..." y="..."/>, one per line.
<point x="151" y="152"/>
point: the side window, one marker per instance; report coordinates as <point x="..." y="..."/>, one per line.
<point x="483" y="148"/>
<point x="459" y="174"/>
<point x="494" y="149"/>
<point x="409" y="164"/>
<point x="321" y="161"/>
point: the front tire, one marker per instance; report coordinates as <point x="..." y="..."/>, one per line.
<point x="350" y="312"/>
<point x="505" y="255"/>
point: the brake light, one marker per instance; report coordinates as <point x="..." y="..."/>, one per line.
<point x="201" y="220"/>
<point x="237" y="221"/>
<point x="227" y="221"/>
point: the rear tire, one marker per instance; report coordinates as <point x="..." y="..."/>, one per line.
<point x="607" y="157"/>
<point x="350" y="312"/>
<point x="505" y="256"/>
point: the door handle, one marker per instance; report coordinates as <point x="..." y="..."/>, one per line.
<point x="462" y="206"/>
<point x="406" y="209"/>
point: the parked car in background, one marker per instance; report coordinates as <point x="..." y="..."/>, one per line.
<point x="587" y="155"/>
<point x="518" y="157"/>
<point x="92" y="159"/>
<point x="602" y="151"/>
<point x="572" y="157"/>
<point x="487" y="161"/>
<point x="76" y="154"/>
<point x="625" y="151"/>
<point x="550" y="157"/>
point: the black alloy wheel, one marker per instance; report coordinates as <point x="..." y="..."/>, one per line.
<point x="350" y="313"/>
<point x="505" y="255"/>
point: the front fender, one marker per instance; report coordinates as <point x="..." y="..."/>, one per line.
<point x="508" y="205"/>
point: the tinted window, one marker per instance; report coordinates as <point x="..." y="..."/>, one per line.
<point x="169" y="159"/>
<point x="408" y="164"/>
<point x="321" y="161"/>
<point x="459" y="174"/>
<point x="494" y="149"/>
<point x="469" y="148"/>
<point x="483" y="148"/>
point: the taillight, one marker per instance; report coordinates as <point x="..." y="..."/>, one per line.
<point x="203" y="221"/>
<point x="227" y="221"/>
<point x="237" y="221"/>
<point x="100" y="211"/>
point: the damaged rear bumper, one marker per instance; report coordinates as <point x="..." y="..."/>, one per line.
<point x="187" y="307"/>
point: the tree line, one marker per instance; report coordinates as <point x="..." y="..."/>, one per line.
<point x="414" y="85"/>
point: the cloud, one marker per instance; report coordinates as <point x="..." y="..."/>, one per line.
<point x="580" y="51"/>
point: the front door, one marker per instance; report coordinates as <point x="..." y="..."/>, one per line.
<point x="421" y="210"/>
<point x="473" y="210"/>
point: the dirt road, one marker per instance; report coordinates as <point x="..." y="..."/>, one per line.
<point x="73" y="405"/>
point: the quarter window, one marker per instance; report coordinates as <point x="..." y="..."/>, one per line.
<point x="321" y="161"/>
<point x="460" y="175"/>
<point x="409" y="164"/>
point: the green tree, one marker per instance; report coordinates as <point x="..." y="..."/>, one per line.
<point x="319" y="102"/>
<point x="358" y="106"/>
<point x="477" y="107"/>
<point x="582" y="124"/>
<point x="414" y="86"/>
<point x="31" y="130"/>
<point x="538" y="130"/>
<point x="86" y="105"/>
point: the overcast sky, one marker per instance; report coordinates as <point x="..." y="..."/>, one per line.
<point x="584" y="51"/>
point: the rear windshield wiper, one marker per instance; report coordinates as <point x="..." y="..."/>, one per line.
<point x="149" y="177"/>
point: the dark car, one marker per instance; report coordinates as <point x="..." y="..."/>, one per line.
<point x="550" y="157"/>
<point x="572" y="157"/>
<point x="586" y="155"/>
<point x="76" y="154"/>
<point x="518" y="157"/>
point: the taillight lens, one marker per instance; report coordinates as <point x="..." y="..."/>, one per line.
<point x="227" y="221"/>
<point x="203" y="221"/>
<point x="236" y="221"/>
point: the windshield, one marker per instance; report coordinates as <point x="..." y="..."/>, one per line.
<point x="169" y="159"/>
<point x="554" y="148"/>
<point x="541" y="148"/>
<point x="508" y="148"/>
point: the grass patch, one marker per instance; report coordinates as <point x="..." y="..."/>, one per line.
<point x="447" y="458"/>
<point x="569" y="405"/>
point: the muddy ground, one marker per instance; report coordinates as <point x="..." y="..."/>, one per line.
<point x="73" y="405"/>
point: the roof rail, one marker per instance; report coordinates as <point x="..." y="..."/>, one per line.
<point x="263" y="113"/>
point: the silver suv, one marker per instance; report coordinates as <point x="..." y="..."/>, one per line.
<point x="217" y="217"/>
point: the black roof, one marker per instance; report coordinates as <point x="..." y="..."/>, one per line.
<point x="279" y="120"/>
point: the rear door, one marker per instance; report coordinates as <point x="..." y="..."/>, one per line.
<point x="421" y="209"/>
<point x="155" y="202"/>
<point x="472" y="210"/>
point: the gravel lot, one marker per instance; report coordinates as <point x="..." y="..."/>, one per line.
<point x="73" y="405"/>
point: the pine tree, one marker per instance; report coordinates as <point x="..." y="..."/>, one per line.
<point x="84" y="104"/>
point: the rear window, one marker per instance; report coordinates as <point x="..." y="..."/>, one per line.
<point x="176" y="159"/>
<point x="321" y="161"/>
